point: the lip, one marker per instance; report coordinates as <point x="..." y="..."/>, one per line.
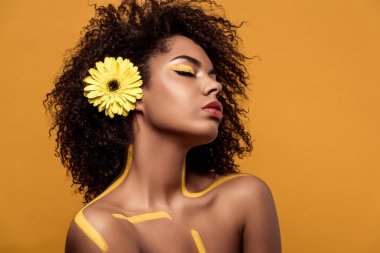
<point x="214" y="108"/>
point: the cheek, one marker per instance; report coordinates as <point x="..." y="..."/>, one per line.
<point x="177" y="93"/>
<point x="171" y="103"/>
<point x="178" y="111"/>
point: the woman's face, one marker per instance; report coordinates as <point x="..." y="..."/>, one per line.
<point x="182" y="83"/>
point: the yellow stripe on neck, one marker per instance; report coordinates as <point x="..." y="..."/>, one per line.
<point x="209" y="188"/>
<point x="81" y="220"/>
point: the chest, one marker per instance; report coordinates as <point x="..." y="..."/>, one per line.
<point x="211" y="228"/>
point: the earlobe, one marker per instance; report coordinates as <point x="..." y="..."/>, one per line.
<point x="139" y="106"/>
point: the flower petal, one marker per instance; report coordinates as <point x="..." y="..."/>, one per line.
<point x="133" y="85"/>
<point x="110" y="113"/>
<point x="127" y="106"/>
<point x="129" y="97"/>
<point x="97" y="75"/>
<point x="99" y="100"/>
<point x="110" y="65"/>
<point x="101" y="68"/>
<point x="92" y="94"/>
<point x="120" y="110"/>
<point x="91" y="87"/>
<point x="103" y="105"/>
<point x="119" y="99"/>
<point x="91" y="80"/>
<point x="133" y="91"/>
<point x="115" y="107"/>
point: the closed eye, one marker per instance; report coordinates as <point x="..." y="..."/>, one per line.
<point x="183" y="70"/>
<point x="184" y="73"/>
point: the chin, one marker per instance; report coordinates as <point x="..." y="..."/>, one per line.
<point x="194" y="134"/>
<point x="205" y="136"/>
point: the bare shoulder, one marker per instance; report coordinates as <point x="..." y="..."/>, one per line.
<point x="254" y="204"/>
<point x="94" y="229"/>
<point x="250" y="186"/>
<point x="245" y="186"/>
<point x="254" y="198"/>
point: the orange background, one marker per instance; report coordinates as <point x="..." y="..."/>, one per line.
<point x="314" y="113"/>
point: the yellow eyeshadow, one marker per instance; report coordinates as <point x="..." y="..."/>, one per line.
<point x="183" y="68"/>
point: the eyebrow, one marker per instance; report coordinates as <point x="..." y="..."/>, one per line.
<point x="194" y="61"/>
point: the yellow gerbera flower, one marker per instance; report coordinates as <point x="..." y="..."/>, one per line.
<point x="114" y="86"/>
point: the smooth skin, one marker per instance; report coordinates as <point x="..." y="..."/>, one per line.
<point x="147" y="211"/>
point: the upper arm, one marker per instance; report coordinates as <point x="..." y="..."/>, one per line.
<point x="261" y="232"/>
<point x="100" y="233"/>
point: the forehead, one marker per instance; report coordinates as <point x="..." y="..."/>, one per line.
<point x="181" y="45"/>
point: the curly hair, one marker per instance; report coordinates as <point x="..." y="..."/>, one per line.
<point x="92" y="146"/>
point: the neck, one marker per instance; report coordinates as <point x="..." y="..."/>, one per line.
<point x="155" y="173"/>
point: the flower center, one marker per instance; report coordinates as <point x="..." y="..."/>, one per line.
<point x="113" y="85"/>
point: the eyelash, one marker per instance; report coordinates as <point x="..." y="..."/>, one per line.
<point x="183" y="70"/>
<point x="184" y="73"/>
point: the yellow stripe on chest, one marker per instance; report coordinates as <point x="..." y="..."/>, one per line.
<point x="143" y="217"/>
<point x="198" y="241"/>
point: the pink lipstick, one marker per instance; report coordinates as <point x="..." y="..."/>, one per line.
<point x="215" y="109"/>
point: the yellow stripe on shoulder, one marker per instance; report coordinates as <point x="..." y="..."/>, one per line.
<point x="209" y="188"/>
<point x="81" y="221"/>
<point x="90" y="231"/>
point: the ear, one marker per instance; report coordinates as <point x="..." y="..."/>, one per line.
<point x="139" y="106"/>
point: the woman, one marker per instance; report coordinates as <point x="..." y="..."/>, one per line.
<point x="148" y="123"/>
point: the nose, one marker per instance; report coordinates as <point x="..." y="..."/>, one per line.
<point x="212" y="87"/>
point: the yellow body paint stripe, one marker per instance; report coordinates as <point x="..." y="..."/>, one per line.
<point x="209" y="188"/>
<point x="86" y="226"/>
<point x="143" y="217"/>
<point x="90" y="231"/>
<point x="121" y="178"/>
<point x="198" y="241"/>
